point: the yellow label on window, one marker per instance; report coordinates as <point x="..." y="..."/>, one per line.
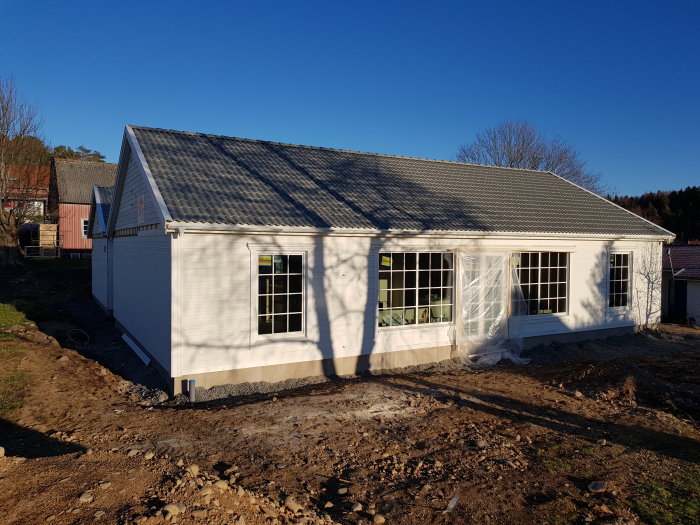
<point x="265" y="260"/>
<point x="386" y="261"/>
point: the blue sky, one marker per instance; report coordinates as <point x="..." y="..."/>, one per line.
<point x="619" y="80"/>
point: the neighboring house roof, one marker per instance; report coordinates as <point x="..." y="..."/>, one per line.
<point x="683" y="260"/>
<point x="76" y="178"/>
<point x="224" y="180"/>
<point x="27" y="182"/>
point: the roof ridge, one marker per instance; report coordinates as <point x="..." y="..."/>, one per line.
<point x="60" y="159"/>
<point x="357" y="152"/>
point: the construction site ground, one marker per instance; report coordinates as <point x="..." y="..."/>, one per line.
<point x="591" y="432"/>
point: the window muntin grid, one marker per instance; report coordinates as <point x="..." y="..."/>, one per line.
<point x="280" y="294"/>
<point x="85" y="227"/>
<point x="544" y="278"/>
<point x="619" y="286"/>
<point x="415" y="288"/>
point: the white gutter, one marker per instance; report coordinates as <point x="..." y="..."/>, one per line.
<point x="202" y="227"/>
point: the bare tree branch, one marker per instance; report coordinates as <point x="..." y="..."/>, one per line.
<point x="518" y="144"/>
<point x="21" y="153"/>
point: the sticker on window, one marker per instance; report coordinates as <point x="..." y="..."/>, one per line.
<point x="386" y="261"/>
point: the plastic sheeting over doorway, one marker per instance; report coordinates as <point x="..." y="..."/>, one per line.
<point x="490" y="327"/>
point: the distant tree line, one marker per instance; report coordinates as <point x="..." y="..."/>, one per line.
<point x="677" y="211"/>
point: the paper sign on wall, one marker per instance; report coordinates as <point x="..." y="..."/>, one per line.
<point x="140" y="210"/>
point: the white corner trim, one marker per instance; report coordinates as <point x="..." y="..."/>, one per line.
<point x="136" y="148"/>
<point x="146" y="360"/>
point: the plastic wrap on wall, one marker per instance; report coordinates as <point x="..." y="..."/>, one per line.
<point x="492" y="310"/>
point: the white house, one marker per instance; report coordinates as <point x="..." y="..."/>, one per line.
<point x="239" y="260"/>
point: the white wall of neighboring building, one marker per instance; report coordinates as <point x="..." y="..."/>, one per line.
<point x="100" y="277"/>
<point x="215" y="296"/>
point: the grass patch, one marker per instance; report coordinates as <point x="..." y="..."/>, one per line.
<point x="555" y="465"/>
<point x="10" y="316"/>
<point x="36" y="312"/>
<point x="7" y="337"/>
<point x="13" y="388"/>
<point x="8" y="352"/>
<point x="670" y="503"/>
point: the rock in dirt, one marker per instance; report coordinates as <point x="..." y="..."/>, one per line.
<point x="357" y="507"/>
<point x="85" y="497"/>
<point x="342" y="490"/>
<point x="578" y="394"/>
<point x="199" y="513"/>
<point x="481" y="444"/>
<point x="99" y="514"/>
<point x="221" y="485"/>
<point x="378" y="518"/>
<point x="328" y="505"/>
<point x="292" y="505"/>
<point x="193" y="470"/>
<point x="597" y="486"/>
<point x="602" y="442"/>
<point x="104" y="484"/>
<point x="2" y="452"/>
<point x="131" y="453"/>
<point x="172" y="508"/>
<point x="149" y="455"/>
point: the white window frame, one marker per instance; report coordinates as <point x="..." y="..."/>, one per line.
<point x="608" y="288"/>
<point x="85" y="225"/>
<point x="417" y="288"/>
<point x="539" y="268"/>
<point x="255" y="295"/>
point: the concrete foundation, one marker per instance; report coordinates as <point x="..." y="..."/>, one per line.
<point x="343" y="366"/>
<point x="349" y="366"/>
<point x="572" y="337"/>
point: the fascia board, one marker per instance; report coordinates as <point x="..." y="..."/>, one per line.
<point x="181" y="226"/>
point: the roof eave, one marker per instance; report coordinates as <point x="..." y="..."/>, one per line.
<point x="186" y="226"/>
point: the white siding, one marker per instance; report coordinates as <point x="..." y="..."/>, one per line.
<point x="214" y="300"/>
<point x="99" y="271"/>
<point x="142" y="291"/>
<point x="136" y="187"/>
<point x="694" y="300"/>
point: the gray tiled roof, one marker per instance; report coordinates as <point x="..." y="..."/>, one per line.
<point x="206" y="178"/>
<point x="106" y="196"/>
<point x="76" y="178"/>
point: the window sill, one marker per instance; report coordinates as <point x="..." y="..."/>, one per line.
<point x="281" y="337"/>
<point x="414" y="326"/>
<point x="543" y="318"/>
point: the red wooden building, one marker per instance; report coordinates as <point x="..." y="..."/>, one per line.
<point x="70" y="192"/>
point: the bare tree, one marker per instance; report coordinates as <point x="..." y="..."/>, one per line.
<point x="518" y="144"/>
<point x="20" y="153"/>
<point x="647" y="284"/>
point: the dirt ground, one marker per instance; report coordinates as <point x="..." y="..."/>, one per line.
<point x="511" y="444"/>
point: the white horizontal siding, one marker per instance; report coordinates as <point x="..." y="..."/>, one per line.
<point x="135" y="187"/>
<point x="216" y="293"/>
<point x="142" y="291"/>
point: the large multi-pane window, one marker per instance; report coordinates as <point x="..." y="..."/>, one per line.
<point x="280" y="293"/>
<point x="619" y="280"/>
<point x="544" y="278"/>
<point x="415" y="288"/>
